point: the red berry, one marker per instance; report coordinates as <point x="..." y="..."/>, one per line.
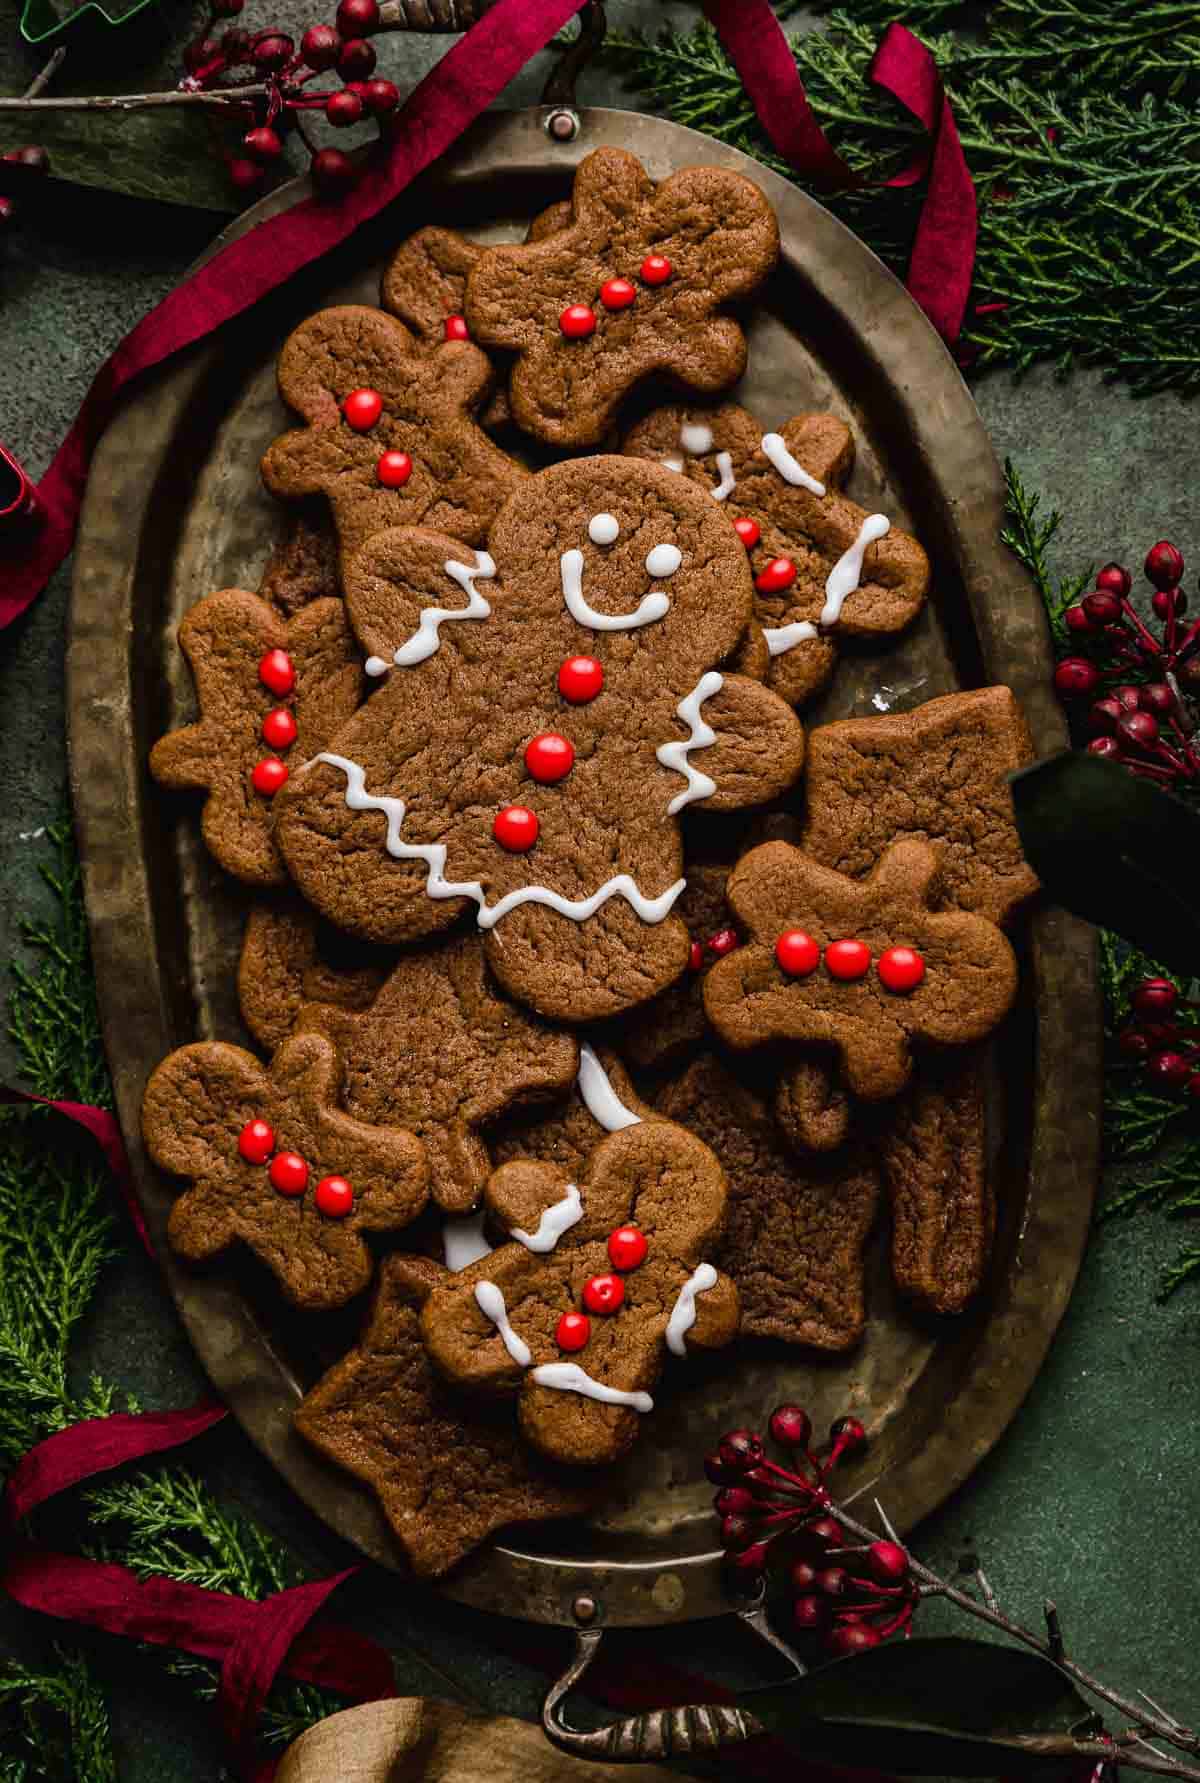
<point x="1075" y="677"/>
<point x="1134" y="1043"/>
<point x="362" y="408"/>
<point x="851" y="1638"/>
<point x="627" y="1248"/>
<point x="237" y="46"/>
<point x="740" y="1450"/>
<point x="577" y="321"/>
<point x="268" y="776"/>
<point x="332" y="171"/>
<point x="833" y="1581"/>
<point x="848" y="1435"/>
<point x="749" y="531"/>
<point x="723" y="942"/>
<point x="656" y="269"/>
<point x="256" y="1142"/>
<point x="320" y="47"/>
<point x="1139" y="729"/>
<point x="736" y="1501"/>
<point x="1107" y="748"/>
<point x="1158" y="698"/>
<point x="1128" y="697"/>
<point x="900" y="969"/>
<point x="1104" y="716"/>
<point x="394" y="469"/>
<point x="1164" y="565"/>
<point x="1192" y="1086"/>
<point x="1102" y="607"/>
<point x="32" y="156"/>
<point x="695" y="957"/>
<point x="549" y="757"/>
<point x="516" y="828"/>
<point x="357" y="18"/>
<point x="288" y="1173"/>
<point x="1077" y="620"/>
<point x="580" y="679"/>
<point x="1166" y="601"/>
<point x="717" y="1472"/>
<point x="751" y="1560"/>
<point x="847" y="960"/>
<point x="887" y="1563"/>
<point x="197" y="54"/>
<point x="244" y="174"/>
<point x="276" y="672"/>
<point x="1116" y="578"/>
<point x="738" y="1533"/>
<point x="823" y="1532"/>
<point x="343" y="109"/>
<point x="356" y="60"/>
<point x="1169" y="1070"/>
<point x="1155" y="998"/>
<point x="572" y="1331"/>
<point x="454" y="328"/>
<point x="381" y="97"/>
<point x="8" y="210"/>
<point x="811" y="1614"/>
<point x="803" y="1575"/>
<point x="796" y="953"/>
<point x="279" y="728"/>
<point x="263" y="144"/>
<point x="618" y="294"/>
<point x="603" y="1293"/>
<point x="334" y="1197"/>
<point x="791" y="1427"/>
<point x="779" y="574"/>
<point x="272" y="51"/>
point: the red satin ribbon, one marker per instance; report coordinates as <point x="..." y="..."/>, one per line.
<point x="96" y="1446"/>
<point x="943" y="251"/>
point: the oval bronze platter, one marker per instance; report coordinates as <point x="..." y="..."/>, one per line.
<point x="175" y="509"/>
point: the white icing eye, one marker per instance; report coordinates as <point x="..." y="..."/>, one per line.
<point x="603" y="529"/>
<point x="695" y="438"/>
<point x="663" y="560"/>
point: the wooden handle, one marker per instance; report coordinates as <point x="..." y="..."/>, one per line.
<point x="432" y="15"/>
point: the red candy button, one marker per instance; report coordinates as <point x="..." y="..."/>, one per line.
<point x="901" y="969"/>
<point x="723" y="942"/>
<point x="362" y="408"/>
<point x="288" y="1173"/>
<point x="580" y="679"/>
<point x="256" y="1142"/>
<point x="334" y="1197"/>
<point x="394" y="469"/>
<point x="279" y="728"/>
<point x="779" y="574"/>
<point x="749" y="531"/>
<point x="268" y="776"/>
<point x="848" y="959"/>
<point x="516" y="828"/>
<point x="276" y="672"/>
<point x="577" y="321"/>
<point x="603" y="1293"/>
<point x="695" y="957"/>
<point x="455" y="328"/>
<point x="572" y="1331"/>
<point x="626" y="1248"/>
<point x="550" y="757"/>
<point x="618" y="294"/>
<point x="656" y="269"/>
<point x="797" y="953"/>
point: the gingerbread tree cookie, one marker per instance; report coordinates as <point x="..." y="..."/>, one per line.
<point x="290" y="957"/>
<point x="390" y="437"/>
<point x="605" y="1276"/>
<point x="271" y="691"/>
<point x="823" y="567"/>
<point x="869" y="967"/>
<point x="632" y="285"/>
<point x="447" y="1472"/>
<point x="550" y="706"/>
<point x="273" y="1163"/>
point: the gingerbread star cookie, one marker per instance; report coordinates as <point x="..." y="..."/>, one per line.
<point x="271" y="692"/>
<point x="869" y="968"/>
<point x="824" y="568"/>
<point x="604" y="1275"/>
<point x="634" y="284"/>
<point x="546" y="709"/>
<point x="272" y="1162"/>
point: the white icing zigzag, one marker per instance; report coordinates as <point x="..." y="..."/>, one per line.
<point x="674" y="755"/>
<point x="789" y="468"/>
<point x="568" y="1377"/>
<point x="683" y="1313"/>
<point x="425" y="640"/>
<point x="490" y="1302"/>
<point x="651" y="607"/>
<point x="599" y="1097"/>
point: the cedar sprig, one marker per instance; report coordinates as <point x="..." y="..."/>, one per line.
<point x="54" y="1722"/>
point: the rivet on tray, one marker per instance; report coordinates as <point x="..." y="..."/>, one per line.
<point x="584" y="1609"/>
<point x="561" y="125"/>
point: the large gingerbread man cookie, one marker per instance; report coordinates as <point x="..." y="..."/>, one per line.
<point x="632" y="285"/>
<point x="824" y="568"/>
<point x="550" y="706"/>
<point x="390" y="436"/>
<point x="605" y="1276"/>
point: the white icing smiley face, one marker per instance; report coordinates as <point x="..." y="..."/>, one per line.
<point x="662" y="561"/>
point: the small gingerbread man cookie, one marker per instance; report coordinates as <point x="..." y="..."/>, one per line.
<point x="290" y="958"/>
<point x="823" y="567"/>
<point x="605" y="1276"/>
<point x="273" y="1163"/>
<point x="632" y="285"/>
<point x="390" y="437"/>
<point x="865" y="967"/>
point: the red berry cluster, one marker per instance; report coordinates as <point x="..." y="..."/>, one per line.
<point x="289" y="1172"/>
<point x="718" y="945"/>
<point x="278" y="675"/>
<point x="603" y="1294"/>
<point x="1164" y="1037"/>
<point x="272" y="59"/>
<point x="1134" y="679"/>
<point x="852" y="1597"/>
<point x="31" y="157"/>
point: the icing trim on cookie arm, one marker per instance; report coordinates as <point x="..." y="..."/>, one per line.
<point x="846" y="574"/>
<point x="683" y="1313"/>
<point x="490" y="1301"/>
<point x="555" y="1220"/>
<point x="674" y="755"/>
<point x="568" y="1377"/>
<point x="599" y="1097"/>
<point x="728" y="482"/>
<point x="651" y="607"/>
<point x="775" y="448"/>
<point x="426" y="639"/>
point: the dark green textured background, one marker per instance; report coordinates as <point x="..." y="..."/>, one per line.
<point x="1091" y="1497"/>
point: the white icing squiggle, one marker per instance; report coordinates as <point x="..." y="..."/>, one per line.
<point x="426" y="638"/>
<point x="568" y="1377"/>
<point x="781" y="638"/>
<point x="490" y="1302"/>
<point x="554" y="1222"/>
<point x="599" y="1097"/>
<point x="674" y="755"/>
<point x="696" y="438"/>
<point x="728" y="482"/>
<point x="463" y="1242"/>
<point x="846" y="573"/>
<point x="775" y="447"/>
<point x="650" y="607"/>
<point x="579" y="909"/>
<point x="683" y="1313"/>
<point x="663" y="560"/>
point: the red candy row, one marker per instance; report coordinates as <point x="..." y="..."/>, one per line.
<point x="603" y="1294"/>
<point x="578" y="320"/>
<point x="278" y="675"/>
<point x="549" y="757"/>
<point x="289" y="1173"/>
<point x="798" y="955"/>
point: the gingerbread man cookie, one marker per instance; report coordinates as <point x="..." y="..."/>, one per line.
<point x="823" y="567"/>
<point x="290" y="957"/>
<point x="390" y="437"/>
<point x="271" y="1161"/>
<point x="866" y="967"/>
<point x="547" y="708"/>
<point x="601" y="1100"/>
<point x="271" y="691"/>
<point x="604" y="1276"/>
<point x="632" y="285"/>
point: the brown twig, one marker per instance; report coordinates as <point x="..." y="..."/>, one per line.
<point x="41" y="81"/>
<point x="217" y="98"/>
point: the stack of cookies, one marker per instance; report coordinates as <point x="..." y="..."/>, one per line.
<point x="597" y="1008"/>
